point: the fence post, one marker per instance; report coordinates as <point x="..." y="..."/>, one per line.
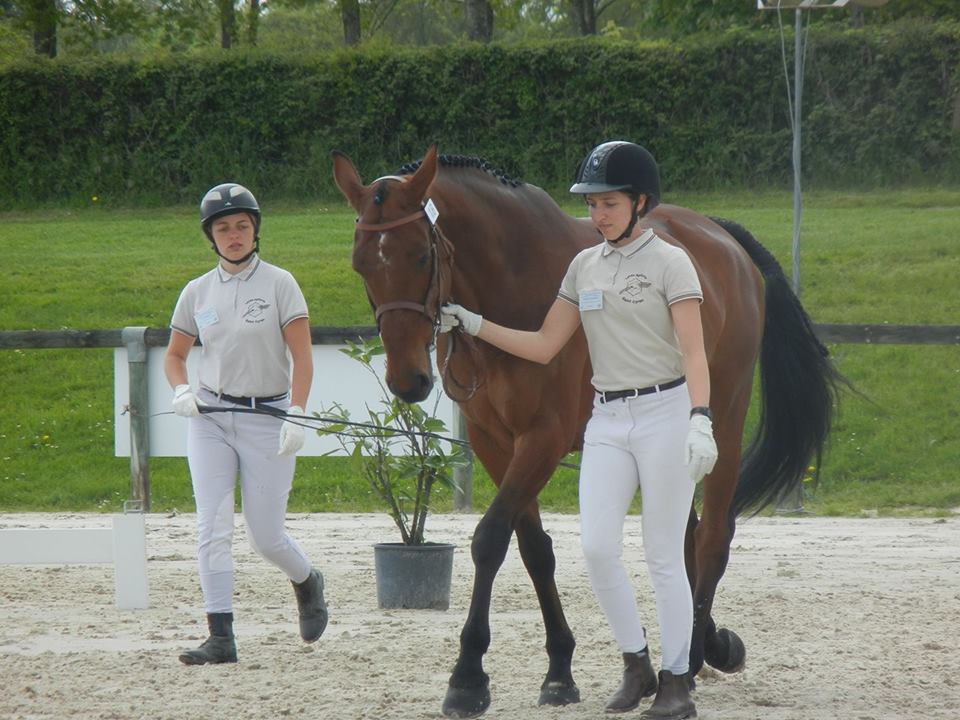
<point x="462" y="476"/>
<point x="139" y="408"/>
<point x="130" y="557"/>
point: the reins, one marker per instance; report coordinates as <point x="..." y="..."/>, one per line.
<point x="306" y="420"/>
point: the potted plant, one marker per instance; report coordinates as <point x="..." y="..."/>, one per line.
<point x="401" y="450"/>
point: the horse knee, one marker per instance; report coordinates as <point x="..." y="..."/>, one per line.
<point x="536" y="549"/>
<point x="712" y="559"/>
<point x="491" y="540"/>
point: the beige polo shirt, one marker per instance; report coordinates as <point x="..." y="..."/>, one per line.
<point x="239" y="320"/>
<point x="624" y="296"/>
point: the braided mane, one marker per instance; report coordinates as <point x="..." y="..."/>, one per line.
<point x="461" y="161"/>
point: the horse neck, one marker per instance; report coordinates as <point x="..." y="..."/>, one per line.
<point x="511" y="248"/>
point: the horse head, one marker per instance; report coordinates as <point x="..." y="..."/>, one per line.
<point x="406" y="266"/>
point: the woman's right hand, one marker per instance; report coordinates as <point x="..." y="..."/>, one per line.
<point x="452" y="315"/>
<point x="185" y="402"/>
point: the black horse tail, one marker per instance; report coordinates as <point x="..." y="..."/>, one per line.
<point x="798" y="390"/>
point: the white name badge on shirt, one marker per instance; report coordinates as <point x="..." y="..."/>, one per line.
<point x="591" y="300"/>
<point x="206" y="318"/>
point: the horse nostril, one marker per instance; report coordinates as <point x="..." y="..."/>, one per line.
<point x="426" y="384"/>
<point x="420" y="386"/>
<point x="419" y="389"/>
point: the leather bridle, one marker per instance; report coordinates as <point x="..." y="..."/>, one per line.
<point x="438" y="244"/>
<point x="441" y="251"/>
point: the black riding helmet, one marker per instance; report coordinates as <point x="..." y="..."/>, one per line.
<point x="624" y="166"/>
<point x="229" y="199"/>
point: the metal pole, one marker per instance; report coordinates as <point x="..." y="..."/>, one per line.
<point x="792" y="503"/>
<point x="139" y="407"/>
<point x="797" y="99"/>
<point x="462" y="476"/>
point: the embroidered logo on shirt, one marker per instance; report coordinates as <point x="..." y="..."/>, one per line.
<point x="255" y="309"/>
<point x="632" y="292"/>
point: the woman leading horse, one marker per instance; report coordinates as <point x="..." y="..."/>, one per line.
<point x="637" y="297"/>
<point x="502" y="248"/>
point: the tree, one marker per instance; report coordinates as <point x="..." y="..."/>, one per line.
<point x="83" y="24"/>
<point x="90" y="27"/>
<point x="42" y="17"/>
<point x="584" y="16"/>
<point x="228" y="23"/>
<point x="479" y="20"/>
<point x="350" y="13"/>
<point x="181" y="24"/>
<point x="253" y="22"/>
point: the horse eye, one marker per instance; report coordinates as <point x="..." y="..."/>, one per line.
<point x="424" y="259"/>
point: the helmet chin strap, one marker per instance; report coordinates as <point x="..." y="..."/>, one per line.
<point x="634" y="216"/>
<point x="241" y="261"/>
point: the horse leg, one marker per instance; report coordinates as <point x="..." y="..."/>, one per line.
<point x="721" y="648"/>
<point x="710" y="539"/>
<point x="536" y="549"/>
<point x="533" y="460"/>
<point x="468" y="692"/>
<point x="690" y="546"/>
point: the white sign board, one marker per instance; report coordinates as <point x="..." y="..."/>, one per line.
<point x="336" y="378"/>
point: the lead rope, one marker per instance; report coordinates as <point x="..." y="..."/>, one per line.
<point x="446" y="373"/>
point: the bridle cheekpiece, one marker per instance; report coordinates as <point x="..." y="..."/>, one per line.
<point x="437" y="240"/>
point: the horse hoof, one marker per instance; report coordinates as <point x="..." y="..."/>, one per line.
<point x="466" y="702"/>
<point x="558" y="693"/>
<point x="726" y="652"/>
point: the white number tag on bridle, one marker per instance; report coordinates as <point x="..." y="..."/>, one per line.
<point x="432" y="213"/>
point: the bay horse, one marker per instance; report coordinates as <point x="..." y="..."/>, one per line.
<point x="500" y="247"/>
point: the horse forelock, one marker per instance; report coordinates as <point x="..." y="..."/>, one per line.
<point x="458" y="162"/>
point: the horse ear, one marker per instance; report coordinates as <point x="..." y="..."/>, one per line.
<point x="420" y="183"/>
<point x="347" y="178"/>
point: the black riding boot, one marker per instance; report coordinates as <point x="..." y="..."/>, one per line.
<point x="673" y="701"/>
<point x="220" y="647"/>
<point x="311" y="606"/>
<point x="639" y="681"/>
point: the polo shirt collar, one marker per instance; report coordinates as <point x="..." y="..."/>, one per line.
<point x="243" y="274"/>
<point x="633" y="247"/>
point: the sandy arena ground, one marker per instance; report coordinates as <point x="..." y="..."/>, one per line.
<point x="842" y="618"/>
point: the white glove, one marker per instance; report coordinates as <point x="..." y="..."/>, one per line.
<point x="291" y="434"/>
<point x="185" y="402"/>
<point x="452" y="315"/>
<point x="701" y="452"/>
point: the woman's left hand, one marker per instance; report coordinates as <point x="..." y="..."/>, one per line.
<point x="291" y="434"/>
<point x="701" y="453"/>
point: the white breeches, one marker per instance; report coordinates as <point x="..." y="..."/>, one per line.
<point x="219" y="447"/>
<point x="629" y="444"/>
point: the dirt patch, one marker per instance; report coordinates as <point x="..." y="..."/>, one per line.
<point x="842" y="618"/>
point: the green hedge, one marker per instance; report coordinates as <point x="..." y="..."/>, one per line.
<point x="880" y="110"/>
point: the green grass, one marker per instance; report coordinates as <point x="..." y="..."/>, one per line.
<point x="865" y="258"/>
